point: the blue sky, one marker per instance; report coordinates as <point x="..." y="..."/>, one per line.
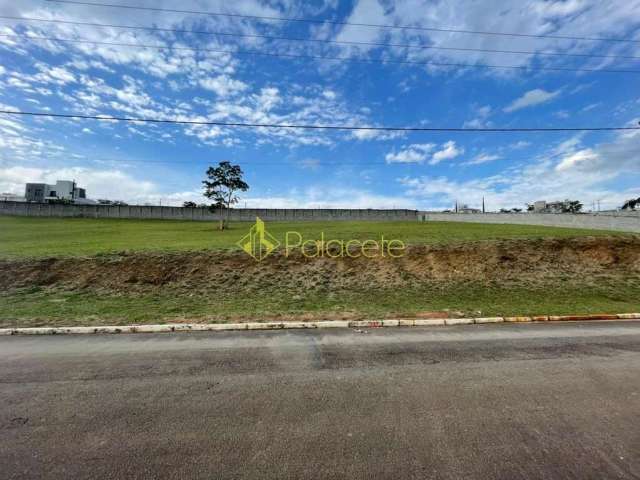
<point x="151" y="163"/>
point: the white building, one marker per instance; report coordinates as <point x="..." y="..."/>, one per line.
<point x="62" y="190"/>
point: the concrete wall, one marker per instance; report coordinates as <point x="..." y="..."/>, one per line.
<point x="201" y="214"/>
<point x="622" y="221"/>
<point x="626" y="222"/>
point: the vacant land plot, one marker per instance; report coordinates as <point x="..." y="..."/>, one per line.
<point x="79" y="271"/>
<point x="41" y="237"/>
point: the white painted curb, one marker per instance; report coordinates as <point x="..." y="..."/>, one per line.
<point x="458" y="321"/>
<point x="219" y="327"/>
<point x="431" y="322"/>
<point x="488" y="320"/>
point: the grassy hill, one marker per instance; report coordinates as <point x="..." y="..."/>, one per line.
<point x="85" y="271"/>
<point x="41" y="237"/>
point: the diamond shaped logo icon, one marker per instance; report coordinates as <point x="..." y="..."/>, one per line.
<point x="258" y="242"/>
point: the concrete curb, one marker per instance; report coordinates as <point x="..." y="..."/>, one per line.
<point x="219" y="327"/>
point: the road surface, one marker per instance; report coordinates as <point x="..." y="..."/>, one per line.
<point x="482" y="401"/>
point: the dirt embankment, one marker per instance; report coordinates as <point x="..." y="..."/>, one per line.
<point x="515" y="262"/>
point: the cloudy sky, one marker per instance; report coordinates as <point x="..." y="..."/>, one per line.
<point x="191" y="66"/>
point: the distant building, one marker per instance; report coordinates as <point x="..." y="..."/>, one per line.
<point x="551" y="207"/>
<point x="468" y="209"/>
<point x="539" y="206"/>
<point x="11" y="197"/>
<point x="62" y="190"/>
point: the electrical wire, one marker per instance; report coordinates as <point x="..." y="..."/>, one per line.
<point x="333" y="22"/>
<point x="319" y="127"/>
<point x="321" y="57"/>
<point x="319" y="41"/>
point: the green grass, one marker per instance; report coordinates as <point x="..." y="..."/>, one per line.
<point x="42" y="237"/>
<point x="39" y="307"/>
<point x="56" y="305"/>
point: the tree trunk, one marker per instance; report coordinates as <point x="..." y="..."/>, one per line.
<point x="221" y="219"/>
<point x="229" y="205"/>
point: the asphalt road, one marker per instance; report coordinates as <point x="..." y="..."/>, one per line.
<point x="482" y="401"/>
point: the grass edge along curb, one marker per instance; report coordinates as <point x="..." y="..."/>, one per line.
<point x="213" y="327"/>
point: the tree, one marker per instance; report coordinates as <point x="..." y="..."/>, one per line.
<point x="221" y="186"/>
<point x="631" y="204"/>
<point x="189" y="205"/>
<point x="572" y="206"/>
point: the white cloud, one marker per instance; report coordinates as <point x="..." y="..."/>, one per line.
<point x="363" y="12"/>
<point x="591" y="106"/>
<point x="530" y="99"/>
<point x="481" y="114"/>
<point x="449" y="151"/>
<point x="415" y="153"/>
<point x="309" y="163"/>
<point x="568" y="171"/>
<point x="268" y="98"/>
<point x="374" y="134"/>
<point x="576" y="159"/>
<point x="607" y="160"/>
<point x="60" y="75"/>
<point x="223" y="85"/>
<point x="484" y="111"/>
<point x="559" y="8"/>
<point x="483" y="158"/>
<point x="406" y="156"/>
<point x="593" y="18"/>
<point x="329" y="94"/>
<point x="569" y="145"/>
<point x="519" y="145"/>
<point x="419" y="152"/>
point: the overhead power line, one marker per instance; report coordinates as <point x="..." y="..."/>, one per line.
<point x="317" y="41"/>
<point x="317" y="127"/>
<point x="323" y="57"/>
<point x="334" y="22"/>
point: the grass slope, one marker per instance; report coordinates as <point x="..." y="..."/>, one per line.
<point x="40" y="307"/>
<point x="242" y="299"/>
<point x="43" y="237"/>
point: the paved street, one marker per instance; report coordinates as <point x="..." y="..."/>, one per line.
<point x="481" y="401"/>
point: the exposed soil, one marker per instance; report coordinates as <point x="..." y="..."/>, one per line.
<point x="512" y="262"/>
